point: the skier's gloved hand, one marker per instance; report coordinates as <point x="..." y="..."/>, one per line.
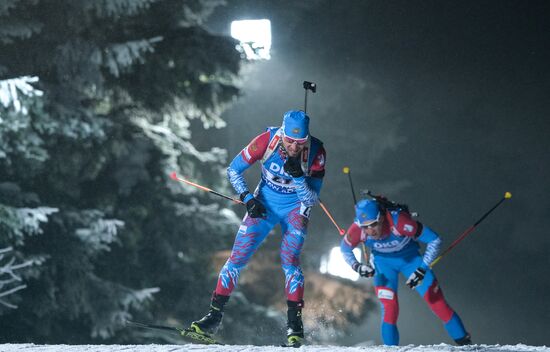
<point x="293" y="166"/>
<point x="254" y="207"/>
<point x="416" y="278"/>
<point x="364" y="270"/>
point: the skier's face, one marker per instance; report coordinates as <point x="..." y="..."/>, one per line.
<point x="374" y="230"/>
<point x="293" y="147"/>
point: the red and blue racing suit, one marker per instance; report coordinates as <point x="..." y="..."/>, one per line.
<point x="397" y="251"/>
<point x="287" y="200"/>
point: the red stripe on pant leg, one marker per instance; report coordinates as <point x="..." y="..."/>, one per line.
<point x="437" y="303"/>
<point x="224" y="291"/>
<point x="388" y="299"/>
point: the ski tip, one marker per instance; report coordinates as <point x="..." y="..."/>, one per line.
<point x="346" y="170"/>
<point x="174" y="176"/>
<point x="507" y="195"/>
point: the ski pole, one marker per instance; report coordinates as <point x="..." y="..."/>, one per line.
<point x="175" y="177"/>
<point x="340" y="230"/>
<point x="507" y="195"/>
<point x="347" y="171"/>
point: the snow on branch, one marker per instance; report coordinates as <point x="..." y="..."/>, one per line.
<point x="100" y="233"/>
<point x="11" y="88"/>
<point x="31" y="218"/>
<point x="136" y="298"/>
<point x="173" y="144"/>
<point x="121" y="55"/>
<point x="8" y="277"/>
<point x="117" y="8"/>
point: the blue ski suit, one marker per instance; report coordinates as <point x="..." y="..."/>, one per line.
<point x="287" y="200"/>
<point x="397" y="251"/>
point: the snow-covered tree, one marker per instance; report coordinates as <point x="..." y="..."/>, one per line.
<point x="99" y="102"/>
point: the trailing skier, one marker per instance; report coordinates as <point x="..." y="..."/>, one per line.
<point x="393" y="237"/>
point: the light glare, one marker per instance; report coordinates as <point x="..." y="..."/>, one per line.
<point x="335" y="264"/>
<point x="254" y="37"/>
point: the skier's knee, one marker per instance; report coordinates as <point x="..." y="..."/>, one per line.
<point x="390" y="304"/>
<point x="437" y="303"/>
<point x="289" y="259"/>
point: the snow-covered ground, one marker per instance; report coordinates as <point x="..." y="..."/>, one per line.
<point x="232" y="348"/>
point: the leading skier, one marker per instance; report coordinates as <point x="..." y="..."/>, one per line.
<point x="393" y="239"/>
<point x="292" y="169"/>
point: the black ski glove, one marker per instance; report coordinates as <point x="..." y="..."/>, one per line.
<point x="364" y="270"/>
<point x="416" y="278"/>
<point x="254" y="207"/>
<point x="293" y="166"/>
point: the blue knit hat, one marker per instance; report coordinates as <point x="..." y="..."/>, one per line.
<point x="296" y="124"/>
<point x="366" y="212"/>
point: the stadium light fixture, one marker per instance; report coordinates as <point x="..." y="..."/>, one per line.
<point x="254" y="37"/>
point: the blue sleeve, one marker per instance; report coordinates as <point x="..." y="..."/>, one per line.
<point x="433" y="246"/>
<point x="347" y="253"/>
<point x="308" y="189"/>
<point x="235" y="174"/>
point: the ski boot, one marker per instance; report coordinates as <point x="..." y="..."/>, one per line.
<point x="466" y="340"/>
<point x="295" y="328"/>
<point x="209" y="324"/>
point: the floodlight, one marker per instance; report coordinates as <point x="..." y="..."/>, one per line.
<point x="254" y="37"/>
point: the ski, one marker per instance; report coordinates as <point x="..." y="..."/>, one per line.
<point x="188" y="335"/>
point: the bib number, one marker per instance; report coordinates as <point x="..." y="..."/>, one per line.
<point x="305" y="211"/>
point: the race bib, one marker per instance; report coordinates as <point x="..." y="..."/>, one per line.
<point x="305" y="211"/>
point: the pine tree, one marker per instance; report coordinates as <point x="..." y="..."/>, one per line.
<point x="99" y="101"/>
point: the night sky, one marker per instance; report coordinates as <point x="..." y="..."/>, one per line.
<point x="443" y="105"/>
